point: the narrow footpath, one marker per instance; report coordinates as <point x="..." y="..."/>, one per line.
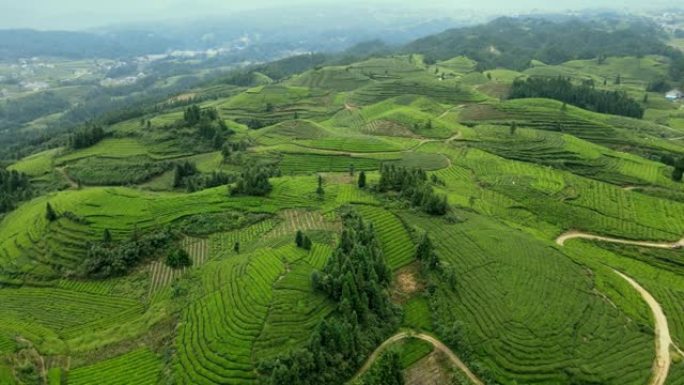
<point x="427" y="338"/>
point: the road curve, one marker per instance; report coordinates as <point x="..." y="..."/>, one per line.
<point x="661" y="364"/>
<point x="663" y="340"/>
<point x="578" y="234"/>
<point x="427" y="338"/>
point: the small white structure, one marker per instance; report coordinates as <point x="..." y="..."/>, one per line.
<point x="674" y="95"/>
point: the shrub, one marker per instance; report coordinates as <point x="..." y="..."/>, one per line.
<point x="178" y="259"/>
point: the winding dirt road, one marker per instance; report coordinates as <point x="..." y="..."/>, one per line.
<point x="661" y="364"/>
<point x="427" y="338"/>
<point x="72" y="183"/>
<point x="578" y="234"/>
<point x="663" y="340"/>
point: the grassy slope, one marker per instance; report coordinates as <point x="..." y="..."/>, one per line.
<point x="528" y="311"/>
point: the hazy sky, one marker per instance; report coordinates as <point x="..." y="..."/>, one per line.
<point x="80" y="14"/>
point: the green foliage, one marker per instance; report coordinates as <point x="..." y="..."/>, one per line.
<point x="362" y="179"/>
<point x="412" y="186"/>
<point x="111" y="171"/>
<point x="14" y="187"/>
<point x="583" y="96"/>
<point x="513" y="42"/>
<point x="387" y="370"/>
<point x="678" y="170"/>
<point x="50" y="213"/>
<point x="106" y="236"/>
<point x="356" y="279"/>
<point x="319" y="190"/>
<point x="209" y="124"/>
<point x="303" y="241"/>
<point x="86" y="136"/>
<point x="182" y="171"/>
<point x="677" y="174"/>
<point x="425" y="253"/>
<point x="254" y="181"/>
<point x="211" y="223"/>
<point x="178" y="259"/>
<point x="114" y="259"/>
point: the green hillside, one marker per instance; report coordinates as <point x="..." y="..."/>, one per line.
<point x="280" y="234"/>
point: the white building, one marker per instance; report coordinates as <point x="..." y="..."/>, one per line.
<point x="674" y="95"/>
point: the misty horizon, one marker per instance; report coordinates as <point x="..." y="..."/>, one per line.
<point x="83" y="15"/>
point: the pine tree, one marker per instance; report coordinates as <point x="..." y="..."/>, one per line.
<point x="299" y="238"/>
<point x="320" y="190"/>
<point x="107" y="236"/>
<point x="177" y="176"/>
<point x="236" y="247"/>
<point x="218" y="140"/>
<point x="362" y="179"/>
<point x="178" y="259"/>
<point x="307" y="243"/>
<point x="50" y="213"/>
<point x="426" y="254"/>
<point x="514" y="127"/>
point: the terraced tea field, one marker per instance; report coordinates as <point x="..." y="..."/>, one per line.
<point x="514" y="282"/>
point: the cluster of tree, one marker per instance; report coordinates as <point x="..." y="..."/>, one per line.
<point x="108" y="258"/>
<point x="425" y="253"/>
<point x="678" y="170"/>
<point x="356" y="274"/>
<point x="209" y="124"/>
<point x="231" y="150"/>
<point x="254" y="181"/>
<point x="178" y="259"/>
<point x="255" y="124"/>
<point x="215" y="179"/>
<point x="606" y="102"/>
<point x="357" y="279"/>
<point x="186" y="175"/>
<point x="658" y="85"/>
<point x="14" y="187"/>
<point x="412" y="185"/>
<point x="87" y="136"/>
<point x="182" y="171"/>
<point x="387" y="370"/>
<point x="17" y="111"/>
<point x="676" y="71"/>
<point x="303" y="241"/>
<point x="108" y="171"/>
<point x="427" y="125"/>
